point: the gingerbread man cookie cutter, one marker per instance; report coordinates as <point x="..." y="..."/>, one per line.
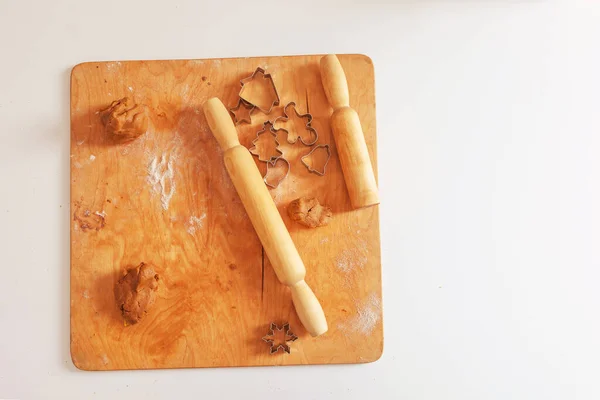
<point x="307" y="126"/>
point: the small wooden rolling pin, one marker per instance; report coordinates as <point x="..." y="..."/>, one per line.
<point x="348" y="136"/>
<point x="265" y="218"/>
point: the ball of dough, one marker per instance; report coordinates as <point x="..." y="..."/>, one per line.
<point x="309" y="212"/>
<point x="124" y="119"/>
<point x="136" y="292"/>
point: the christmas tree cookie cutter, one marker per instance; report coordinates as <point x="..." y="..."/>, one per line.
<point x="257" y="151"/>
<point x="274" y="162"/>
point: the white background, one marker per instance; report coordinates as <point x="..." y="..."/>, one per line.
<point x="489" y="142"/>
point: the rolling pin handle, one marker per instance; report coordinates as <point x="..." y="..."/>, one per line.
<point x="334" y="82"/>
<point x="220" y="124"/>
<point x="309" y="309"/>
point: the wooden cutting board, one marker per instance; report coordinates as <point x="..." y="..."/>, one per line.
<point x="166" y="199"/>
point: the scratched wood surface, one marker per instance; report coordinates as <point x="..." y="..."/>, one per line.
<point x="166" y="199"/>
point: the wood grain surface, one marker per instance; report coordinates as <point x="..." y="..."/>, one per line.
<point x="166" y="199"/>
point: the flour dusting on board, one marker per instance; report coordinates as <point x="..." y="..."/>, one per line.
<point x="111" y="66"/>
<point x="105" y="359"/>
<point x="368" y="314"/>
<point x="161" y="178"/>
<point x="195" y="223"/>
<point x="352" y="258"/>
<point x="185" y="92"/>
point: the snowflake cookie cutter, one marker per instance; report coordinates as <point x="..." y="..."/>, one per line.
<point x="288" y="337"/>
<point x="307" y="126"/>
<point x="306" y="156"/>
<point x="269" y="78"/>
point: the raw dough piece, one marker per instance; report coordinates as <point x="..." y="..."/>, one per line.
<point x="309" y="212"/>
<point x="125" y="120"/>
<point x="136" y="291"/>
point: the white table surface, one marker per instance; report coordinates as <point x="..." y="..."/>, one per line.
<point x="489" y="142"/>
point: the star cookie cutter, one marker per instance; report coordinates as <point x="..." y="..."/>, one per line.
<point x="266" y="76"/>
<point x="307" y="126"/>
<point x="257" y="152"/>
<point x="247" y="106"/>
<point x="310" y="168"/>
<point x="270" y="338"/>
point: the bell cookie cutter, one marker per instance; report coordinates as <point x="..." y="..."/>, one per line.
<point x="307" y="126"/>
<point x="288" y="337"/>
<point x="306" y="156"/>
<point x="266" y="76"/>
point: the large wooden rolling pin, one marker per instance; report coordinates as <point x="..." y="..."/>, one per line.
<point x="348" y="136"/>
<point x="265" y="218"/>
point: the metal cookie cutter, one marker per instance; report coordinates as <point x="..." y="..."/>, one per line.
<point x="266" y="76"/>
<point x="310" y="168"/>
<point x="236" y="110"/>
<point x="272" y="165"/>
<point x="270" y="338"/>
<point x="307" y="126"/>
<point x="267" y="127"/>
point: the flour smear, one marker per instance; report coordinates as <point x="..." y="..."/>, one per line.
<point x="161" y="177"/>
<point x="368" y="314"/>
<point x="352" y="258"/>
<point x="195" y="223"/>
